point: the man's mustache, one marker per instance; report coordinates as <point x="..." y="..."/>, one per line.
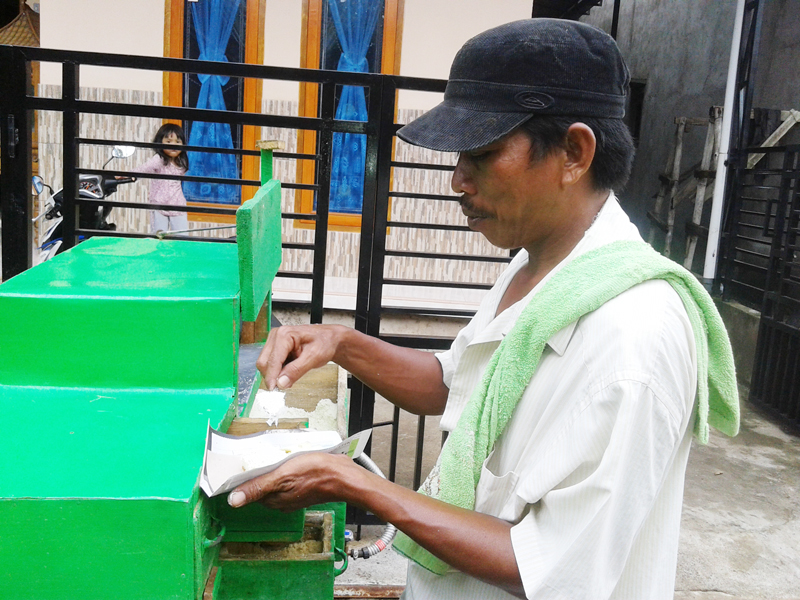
<point x="469" y="210"/>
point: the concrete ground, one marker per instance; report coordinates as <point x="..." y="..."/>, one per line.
<point x="741" y="520"/>
<point x="741" y="515"/>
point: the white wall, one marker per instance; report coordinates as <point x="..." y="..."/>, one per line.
<point x="433" y="31"/>
<point x="115" y="26"/>
<point x="282" y="25"/>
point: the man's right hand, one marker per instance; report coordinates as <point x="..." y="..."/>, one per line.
<point x="290" y="352"/>
<point x="409" y="378"/>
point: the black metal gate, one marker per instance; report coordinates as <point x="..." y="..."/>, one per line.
<point x="758" y="263"/>
<point x="776" y="378"/>
<point x="18" y="103"/>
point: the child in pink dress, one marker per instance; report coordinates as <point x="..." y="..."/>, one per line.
<point x="167" y="191"/>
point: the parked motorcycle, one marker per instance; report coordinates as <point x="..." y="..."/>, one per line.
<point x="95" y="187"/>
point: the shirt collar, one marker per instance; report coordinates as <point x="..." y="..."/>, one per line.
<point x="561" y="339"/>
<point x="502" y="325"/>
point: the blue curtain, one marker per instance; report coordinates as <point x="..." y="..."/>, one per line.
<point x="355" y="22"/>
<point x="213" y="21"/>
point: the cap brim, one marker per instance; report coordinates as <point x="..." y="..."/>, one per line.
<point x="451" y="129"/>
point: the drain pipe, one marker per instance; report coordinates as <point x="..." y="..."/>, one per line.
<point x="715" y="225"/>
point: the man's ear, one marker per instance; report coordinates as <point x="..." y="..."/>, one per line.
<point x="580" y="146"/>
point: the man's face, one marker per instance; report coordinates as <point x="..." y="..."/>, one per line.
<point x="512" y="200"/>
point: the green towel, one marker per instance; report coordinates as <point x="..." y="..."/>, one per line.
<point x="590" y="281"/>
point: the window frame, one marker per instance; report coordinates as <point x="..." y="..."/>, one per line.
<point x="174" y="23"/>
<point x="310" y="52"/>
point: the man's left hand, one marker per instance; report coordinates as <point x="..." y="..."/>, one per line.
<point x="303" y="481"/>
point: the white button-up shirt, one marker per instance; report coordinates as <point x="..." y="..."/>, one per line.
<point x="590" y="469"/>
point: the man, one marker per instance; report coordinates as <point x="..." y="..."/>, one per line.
<point x="570" y="394"/>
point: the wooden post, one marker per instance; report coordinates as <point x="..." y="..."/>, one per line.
<point x="672" y="183"/>
<point x="703" y="176"/>
<point x="267" y="148"/>
<point x="789" y="120"/>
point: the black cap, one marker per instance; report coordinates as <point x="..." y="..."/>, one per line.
<point x="504" y="76"/>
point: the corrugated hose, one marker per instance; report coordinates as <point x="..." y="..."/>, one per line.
<point x="388" y="534"/>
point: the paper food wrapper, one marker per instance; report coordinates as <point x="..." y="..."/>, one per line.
<point x="231" y="460"/>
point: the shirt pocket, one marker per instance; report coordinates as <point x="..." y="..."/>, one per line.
<point x="496" y="495"/>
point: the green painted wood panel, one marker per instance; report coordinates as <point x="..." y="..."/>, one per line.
<point x="258" y="236"/>
<point x="130" y="267"/>
<point x="278" y="580"/>
<point x="124" y="313"/>
<point x="257" y="523"/>
<point x="98" y="549"/>
<point x="105" y="443"/>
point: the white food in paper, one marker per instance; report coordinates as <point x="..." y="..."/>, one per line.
<point x="269" y="454"/>
<point x="261" y="457"/>
<point x="231" y="460"/>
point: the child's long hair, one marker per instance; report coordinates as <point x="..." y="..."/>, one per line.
<point x="181" y="160"/>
